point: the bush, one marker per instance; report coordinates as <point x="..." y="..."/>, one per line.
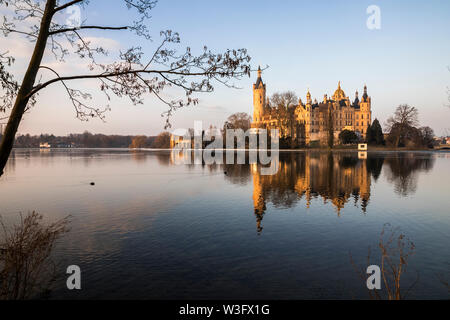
<point x="348" y="137"/>
<point x="25" y="266"/>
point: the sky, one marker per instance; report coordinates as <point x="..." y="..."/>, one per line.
<point x="303" y="44"/>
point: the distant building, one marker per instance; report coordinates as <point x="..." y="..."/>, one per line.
<point x="45" y="145"/>
<point x="65" y="145"/>
<point x="180" y="142"/>
<point x="189" y="140"/>
<point x="312" y="119"/>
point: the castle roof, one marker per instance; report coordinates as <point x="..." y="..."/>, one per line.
<point x="365" y="95"/>
<point x="259" y="80"/>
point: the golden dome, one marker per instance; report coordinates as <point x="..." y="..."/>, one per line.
<point x="339" y="94"/>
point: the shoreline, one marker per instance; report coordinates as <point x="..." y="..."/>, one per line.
<point x="338" y="149"/>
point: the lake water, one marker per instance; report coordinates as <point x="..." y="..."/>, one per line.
<point x="153" y="229"/>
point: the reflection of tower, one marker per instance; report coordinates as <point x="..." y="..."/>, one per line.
<point x="364" y="183"/>
<point x="259" y="202"/>
<point x="303" y="184"/>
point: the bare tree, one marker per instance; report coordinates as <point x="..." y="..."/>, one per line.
<point x="283" y="108"/>
<point x="139" y="142"/>
<point x="404" y="118"/>
<point x="25" y="265"/>
<point x="133" y="75"/>
<point x="284" y="100"/>
<point x="162" y="141"/>
<point x="404" y="115"/>
<point x="239" y="120"/>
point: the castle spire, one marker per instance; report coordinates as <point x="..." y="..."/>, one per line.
<point x="259" y="79"/>
<point x="356" y="102"/>
<point x="365" y="95"/>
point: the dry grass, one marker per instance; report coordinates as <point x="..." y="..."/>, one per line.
<point x="25" y="265"/>
<point x="395" y="250"/>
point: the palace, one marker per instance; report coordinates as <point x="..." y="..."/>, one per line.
<point x="311" y="121"/>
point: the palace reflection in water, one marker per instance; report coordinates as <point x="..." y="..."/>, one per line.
<point x="338" y="178"/>
<point x="335" y="178"/>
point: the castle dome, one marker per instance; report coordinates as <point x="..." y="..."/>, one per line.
<point x="339" y="94"/>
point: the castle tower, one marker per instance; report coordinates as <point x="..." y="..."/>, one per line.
<point x="308" y="123"/>
<point x="366" y="112"/>
<point x="259" y="98"/>
<point x="308" y="98"/>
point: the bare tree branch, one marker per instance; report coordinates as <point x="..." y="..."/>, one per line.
<point x="67" y="5"/>
<point x="86" y="27"/>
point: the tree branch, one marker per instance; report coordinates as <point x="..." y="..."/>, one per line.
<point x="115" y="74"/>
<point x="17" y="31"/>
<point x="64" y="6"/>
<point x="86" y="27"/>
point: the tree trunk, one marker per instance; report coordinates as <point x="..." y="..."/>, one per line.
<point x="26" y="87"/>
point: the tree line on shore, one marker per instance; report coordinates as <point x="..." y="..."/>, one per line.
<point x="89" y="140"/>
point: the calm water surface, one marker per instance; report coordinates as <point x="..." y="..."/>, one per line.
<point x="151" y="229"/>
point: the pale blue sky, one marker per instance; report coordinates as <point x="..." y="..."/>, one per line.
<point x="307" y="44"/>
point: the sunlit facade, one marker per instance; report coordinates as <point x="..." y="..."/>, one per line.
<point x="312" y="118"/>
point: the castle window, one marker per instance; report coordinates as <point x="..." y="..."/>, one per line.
<point x="357" y="123"/>
<point x="362" y="116"/>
